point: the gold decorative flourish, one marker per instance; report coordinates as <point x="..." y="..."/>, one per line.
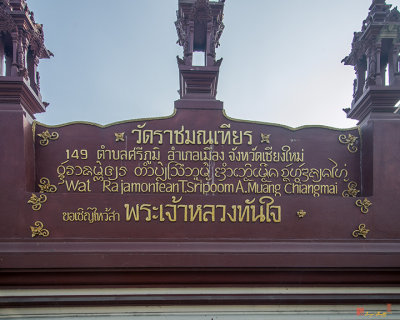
<point x="47" y="136"/>
<point x="265" y="137"/>
<point x="36" y="201"/>
<point x="351" y="190"/>
<point x="119" y="136"/>
<point x="225" y="126"/>
<point x="38" y="230"/>
<point x="45" y="186"/>
<point x="361" y="231"/>
<point x="301" y="213"/>
<point x="351" y="142"/>
<point x="363" y="205"/>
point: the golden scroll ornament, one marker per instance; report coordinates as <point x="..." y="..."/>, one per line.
<point x="45" y="186"/>
<point x="47" y="136"/>
<point x="36" y="201"/>
<point x="363" y="205"/>
<point x="361" y="231"/>
<point x="38" y="230"/>
<point x="351" y="142"/>
<point x="351" y="190"/>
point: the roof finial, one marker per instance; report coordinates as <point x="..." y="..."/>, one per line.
<point x="199" y="27"/>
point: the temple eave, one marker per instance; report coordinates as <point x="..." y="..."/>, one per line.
<point x="17" y="91"/>
<point x="375" y="99"/>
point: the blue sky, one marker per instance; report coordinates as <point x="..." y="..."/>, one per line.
<point x="115" y="60"/>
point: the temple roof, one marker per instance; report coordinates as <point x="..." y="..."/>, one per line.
<point x="381" y="22"/>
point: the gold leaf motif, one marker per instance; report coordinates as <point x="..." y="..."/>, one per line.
<point x="363" y="205"/>
<point x="301" y="213"/>
<point x="119" y="136"/>
<point x="45" y="186"/>
<point x="225" y="126"/>
<point x="38" y="230"/>
<point x="36" y="201"/>
<point x="265" y="137"/>
<point x="361" y="231"/>
<point x="47" y="136"/>
<point x="351" y="190"/>
<point x="351" y="142"/>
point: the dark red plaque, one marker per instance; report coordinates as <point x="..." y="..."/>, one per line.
<point x="196" y="176"/>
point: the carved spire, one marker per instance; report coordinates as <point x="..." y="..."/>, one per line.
<point x="21" y="45"/>
<point x="375" y="57"/>
<point x="199" y="27"/>
<point x="378" y="10"/>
